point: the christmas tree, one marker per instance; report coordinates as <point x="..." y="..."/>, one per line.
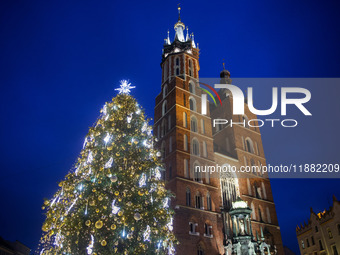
<point x="114" y="200"/>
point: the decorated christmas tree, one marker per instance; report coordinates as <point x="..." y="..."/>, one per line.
<point x="114" y="200"/>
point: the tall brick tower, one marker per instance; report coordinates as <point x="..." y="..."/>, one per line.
<point x="187" y="139"/>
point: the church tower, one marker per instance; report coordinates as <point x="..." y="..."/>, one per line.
<point x="187" y="140"/>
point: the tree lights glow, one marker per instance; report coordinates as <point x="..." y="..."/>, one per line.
<point x="114" y="201"/>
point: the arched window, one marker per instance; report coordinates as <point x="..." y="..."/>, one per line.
<point x="188" y="197"/>
<point x="229" y="186"/>
<point x="177" y="68"/>
<point x="185" y="120"/>
<point x="200" y="250"/>
<point x="260" y="214"/>
<point x="198" y="201"/>
<point x="209" y="202"/>
<point x="185" y="142"/>
<point x="191" y="68"/>
<point x="197" y="173"/>
<point x="192" y="102"/>
<point x="205" y="149"/>
<point x="193" y="124"/>
<point x="165" y="90"/>
<point x="192" y="87"/>
<point x="257" y="190"/>
<point x="249" y="145"/>
<point x="195" y="147"/>
<point x="164" y="107"/>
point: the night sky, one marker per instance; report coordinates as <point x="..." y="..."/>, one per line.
<point x="61" y="60"/>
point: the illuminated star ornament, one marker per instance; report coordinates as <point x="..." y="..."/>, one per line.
<point x="125" y="87"/>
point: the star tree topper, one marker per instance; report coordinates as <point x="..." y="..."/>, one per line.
<point x="125" y="87"/>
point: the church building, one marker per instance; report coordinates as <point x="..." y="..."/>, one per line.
<point x="188" y="139"/>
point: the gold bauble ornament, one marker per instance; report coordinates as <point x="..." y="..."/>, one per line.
<point x="119" y="199"/>
<point x="94" y="190"/>
<point x="117" y="154"/>
<point x="120" y="213"/>
<point x="113" y="178"/>
<point x="103" y="243"/>
<point x="46" y="202"/>
<point x="100" y="198"/>
<point x="88" y="223"/>
<point x="109" y="148"/>
<point x="99" y="224"/>
<point x="140" y="193"/>
<point x="92" y="203"/>
<point x="113" y="226"/>
<point x="97" y="210"/>
<point x="105" y="207"/>
<point x="116" y="193"/>
<point x="137" y="216"/>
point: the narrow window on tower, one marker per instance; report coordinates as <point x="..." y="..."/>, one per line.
<point x="192" y="103"/>
<point x="208" y="202"/>
<point x="207" y="176"/>
<point x="185" y="120"/>
<point x="192" y="87"/>
<point x="164" y="107"/>
<point x="191" y="72"/>
<point x="169" y="122"/>
<point x="165" y="91"/>
<point x="188" y="197"/>
<point x="193" y="124"/>
<point x="185" y="142"/>
<point x="170" y="144"/>
<point x="195" y="147"/>
<point x="208" y="230"/>
<point x="186" y="168"/>
<point x="320" y="245"/>
<point x="198" y="201"/>
<point x="203" y="126"/>
<point x="184" y="100"/>
<point x="177" y="67"/>
<point x="268" y="216"/>
<point x="205" y="149"/>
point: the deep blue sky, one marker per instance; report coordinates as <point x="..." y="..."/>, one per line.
<point x="61" y="60"/>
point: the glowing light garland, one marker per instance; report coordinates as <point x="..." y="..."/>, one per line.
<point x="115" y="209"/>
